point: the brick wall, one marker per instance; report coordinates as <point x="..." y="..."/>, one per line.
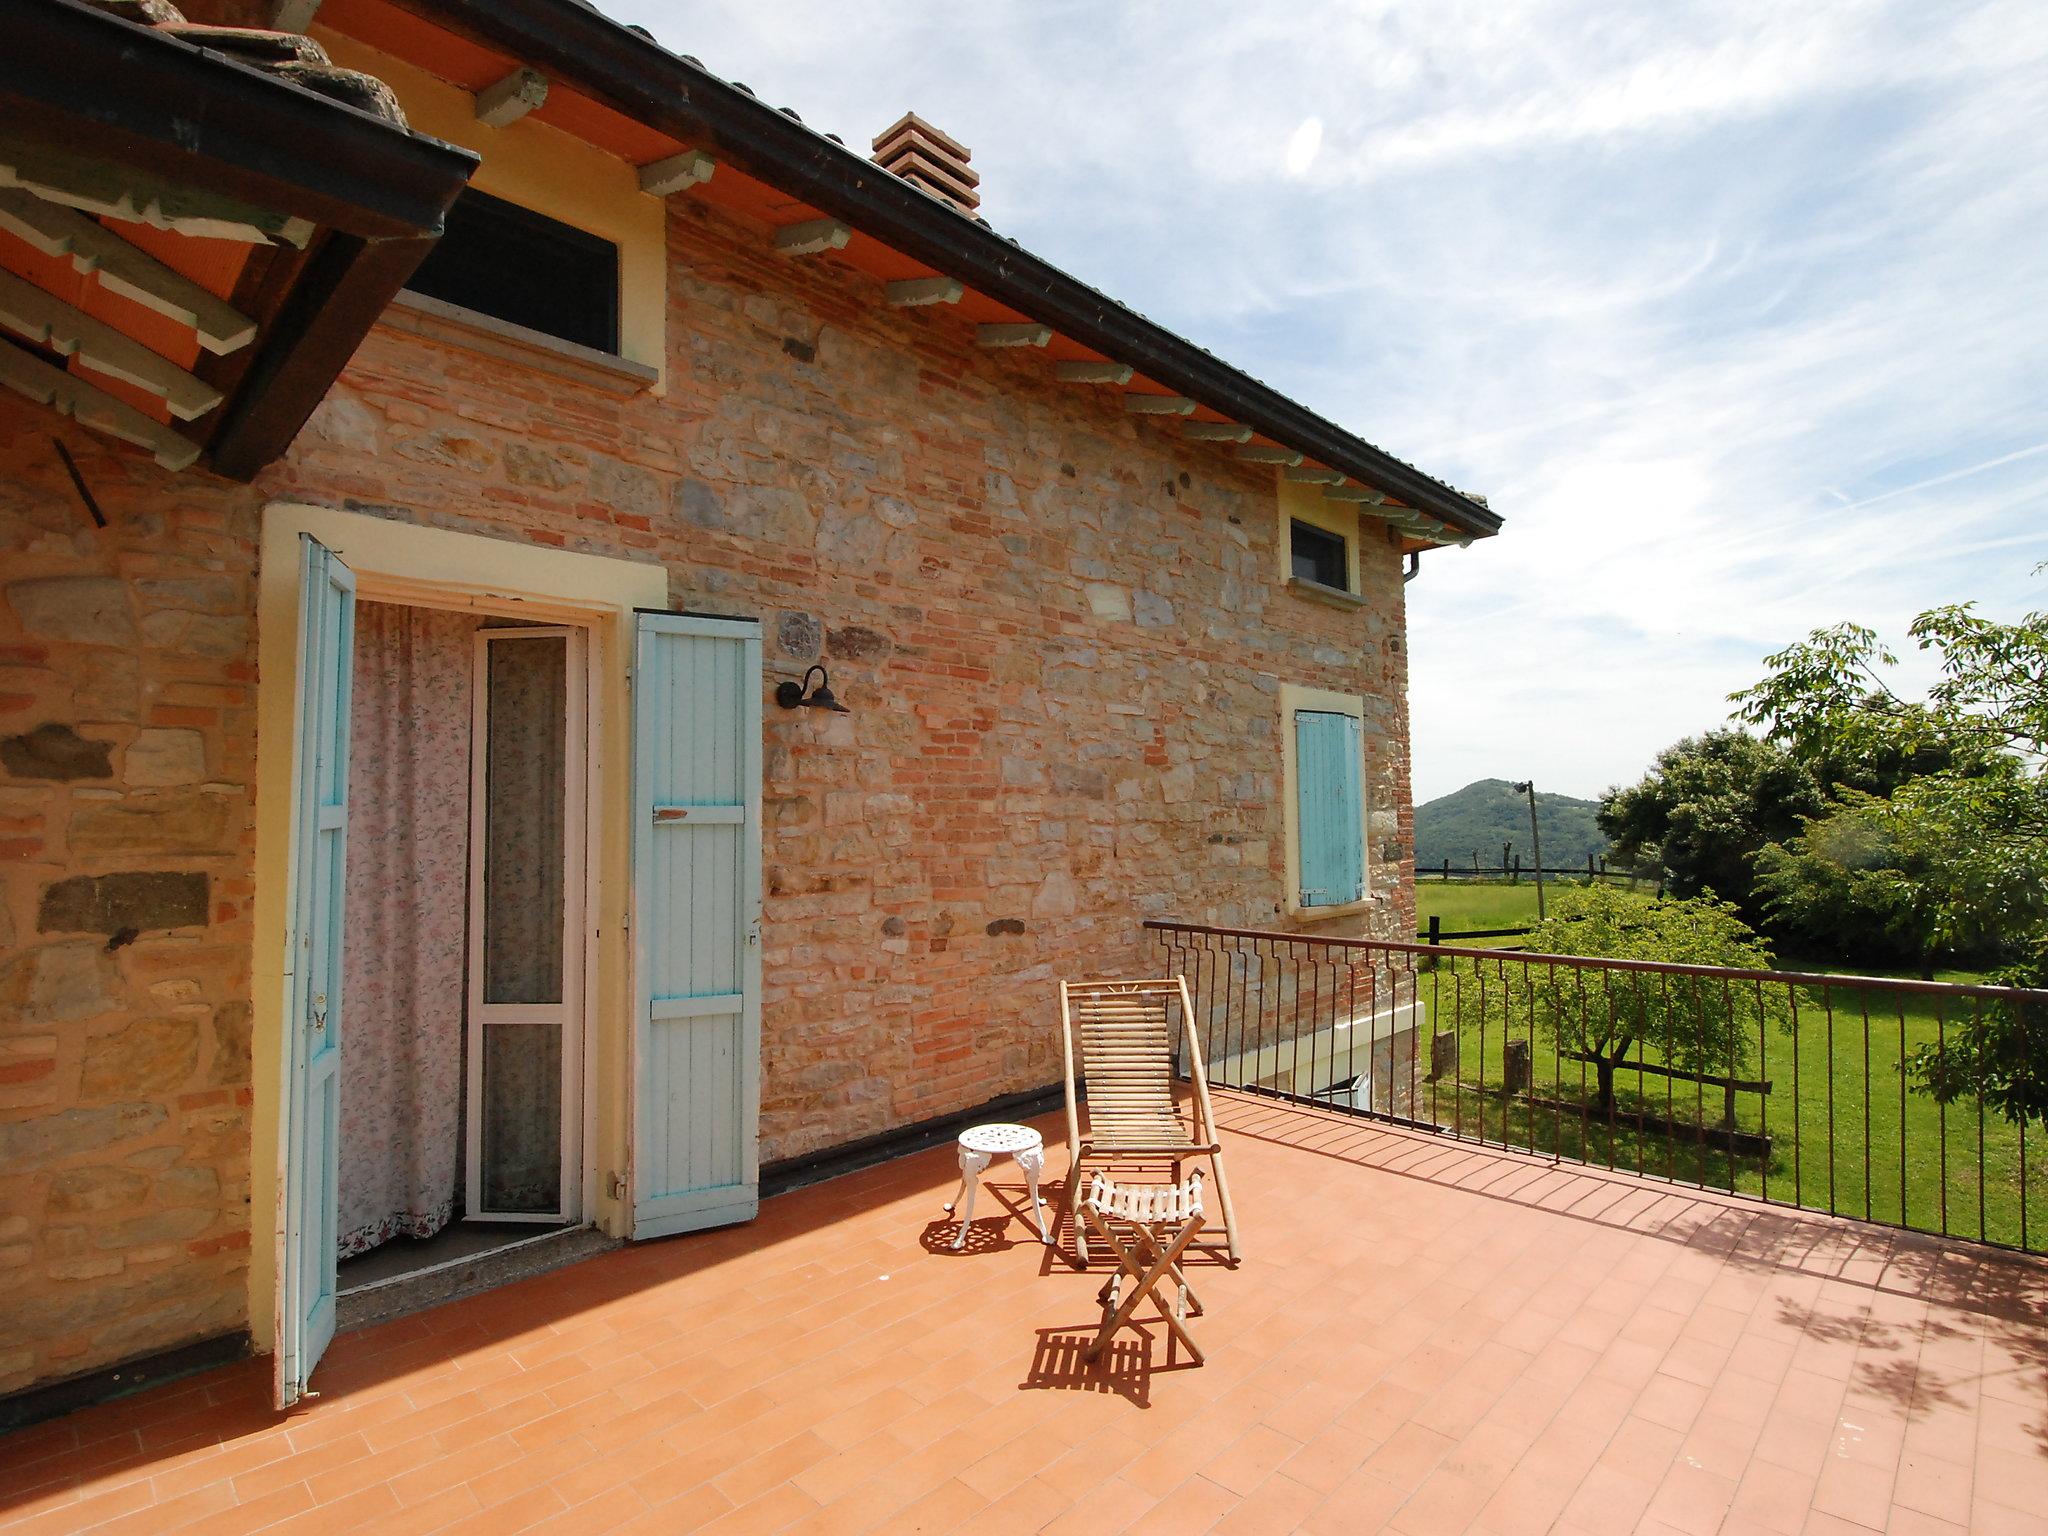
<point x="1060" y="632"/>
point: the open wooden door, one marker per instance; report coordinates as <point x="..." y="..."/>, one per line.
<point x="696" y="923"/>
<point x="313" y="935"/>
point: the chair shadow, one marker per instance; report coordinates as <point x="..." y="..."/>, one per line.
<point x="994" y="1233"/>
<point x="1124" y="1369"/>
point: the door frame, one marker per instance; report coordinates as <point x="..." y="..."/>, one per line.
<point x="579" y="928"/>
<point x="397" y="561"/>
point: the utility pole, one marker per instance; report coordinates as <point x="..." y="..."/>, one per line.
<point x="1528" y="787"/>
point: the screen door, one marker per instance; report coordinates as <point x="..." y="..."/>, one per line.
<point x="526" y="925"/>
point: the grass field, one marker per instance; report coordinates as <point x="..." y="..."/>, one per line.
<point x="1848" y="1132"/>
<point x="1472" y="904"/>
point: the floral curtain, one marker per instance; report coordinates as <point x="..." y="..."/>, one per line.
<point x="406" y="904"/>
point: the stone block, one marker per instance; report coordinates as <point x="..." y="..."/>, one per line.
<point x="54" y="983"/>
<point x="1107" y="602"/>
<point x="149" y="1056"/>
<point x="77" y="1191"/>
<point x="230" y="1064"/>
<point x="172" y="1225"/>
<point x="856" y="642"/>
<point x="142" y="900"/>
<point x="800" y="635"/>
<point x="32" y="1143"/>
<point x="190" y="822"/>
<point x="165" y="755"/>
<point x="85" y="610"/>
<point x="57" y="752"/>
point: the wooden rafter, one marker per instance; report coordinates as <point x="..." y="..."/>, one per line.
<point x="48" y="321"/>
<point x="87" y="404"/>
<point x="124" y="269"/>
<point x="112" y="191"/>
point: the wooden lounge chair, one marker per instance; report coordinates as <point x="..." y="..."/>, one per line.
<point x="1122" y="1030"/>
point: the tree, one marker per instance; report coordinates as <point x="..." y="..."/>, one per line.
<point x="1706" y="808"/>
<point x="1977" y="826"/>
<point x="1605" y="1015"/>
<point x="1895" y="879"/>
<point x="1828" y="699"/>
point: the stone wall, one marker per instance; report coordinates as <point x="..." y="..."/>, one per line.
<point x="1060" y="632"/>
<point x="126" y="756"/>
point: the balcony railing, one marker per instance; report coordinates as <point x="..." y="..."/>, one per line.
<point x="1798" y="1088"/>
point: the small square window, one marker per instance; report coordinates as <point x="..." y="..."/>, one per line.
<point x="511" y="263"/>
<point x="1321" y="557"/>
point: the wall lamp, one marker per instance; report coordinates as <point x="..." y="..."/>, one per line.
<point x="803" y="696"/>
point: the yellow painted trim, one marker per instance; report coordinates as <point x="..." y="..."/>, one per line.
<point x="1295" y="697"/>
<point x="401" y="562"/>
<point x="1306" y="504"/>
<point x="551" y="172"/>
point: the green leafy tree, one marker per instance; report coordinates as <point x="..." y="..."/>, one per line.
<point x="1706" y="808"/>
<point x="1607" y="1016"/>
<point x="1897" y="879"/>
<point x="1969" y="840"/>
<point x="1998" y="1053"/>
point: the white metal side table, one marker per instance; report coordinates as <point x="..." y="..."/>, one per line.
<point x="979" y="1146"/>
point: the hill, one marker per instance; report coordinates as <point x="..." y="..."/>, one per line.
<point x="1488" y="813"/>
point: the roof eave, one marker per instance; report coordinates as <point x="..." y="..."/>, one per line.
<point x="605" y="59"/>
<point x="155" y="104"/>
<point x="159" y="104"/>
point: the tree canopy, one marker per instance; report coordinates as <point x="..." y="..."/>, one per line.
<point x="1953" y="855"/>
<point x="1604" y="1016"/>
<point x="1706" y="808"/>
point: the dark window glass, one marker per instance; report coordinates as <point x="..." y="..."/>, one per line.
<point x="1319" y="557"/>
<point x="514" y="264"/>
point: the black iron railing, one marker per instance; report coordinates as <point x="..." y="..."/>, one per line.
<point x="1799" y="1088"/>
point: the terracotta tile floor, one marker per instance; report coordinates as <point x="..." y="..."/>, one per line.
<point x="1423" y="1338"/>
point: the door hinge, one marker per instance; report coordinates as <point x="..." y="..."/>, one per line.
<point x="618" y="1186"/>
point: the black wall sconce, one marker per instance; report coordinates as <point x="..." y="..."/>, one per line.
<point x="803" y="696"/>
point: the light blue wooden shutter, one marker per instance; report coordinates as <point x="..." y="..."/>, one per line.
<point x="313" y="1026"/>
<point x="697" y="923"/>
<point x="1327" y="762"/>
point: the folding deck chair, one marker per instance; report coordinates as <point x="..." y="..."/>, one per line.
<point x="1124" y="1035"/>
<point x="1162" y="1220"/>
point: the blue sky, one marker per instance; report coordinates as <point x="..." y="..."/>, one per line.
<point x="1738" y="312"/>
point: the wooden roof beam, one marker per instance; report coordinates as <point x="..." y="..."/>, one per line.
<point x="1081" y="371"/>
<point x="677" y="173"/>
<point x="812" y="237"/>
<point x="507" y="100"/>
<point x="69" y="395"/>
<point x="911" y="292"/>
<point x="1028" y="333"/>
<point x="124" y="269"/>
<point x="1159" y="405"/>
<point x="1264" y="453"/>
<point x="1353" y="493"/>
<point x="1216" y="431"/>
<point x="1307" y="474"/>
<point x="48" y="321"/>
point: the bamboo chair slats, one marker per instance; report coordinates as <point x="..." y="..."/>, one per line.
<point x="1121" y="1033"/>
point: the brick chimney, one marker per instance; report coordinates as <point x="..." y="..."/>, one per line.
<point x="927" y="158"/>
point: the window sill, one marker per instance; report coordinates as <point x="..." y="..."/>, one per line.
<point x="437" y="320"/>
<point x="1336" y="597"/>
<point x="1320" y="914"/>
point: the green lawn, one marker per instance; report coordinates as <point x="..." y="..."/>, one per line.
<point x="1463" y="904"/>
<point x="1834" y="1145"/>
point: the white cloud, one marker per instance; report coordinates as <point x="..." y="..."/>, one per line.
<point x="1733" y="307"/>
<point x="1303" y="145"/>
